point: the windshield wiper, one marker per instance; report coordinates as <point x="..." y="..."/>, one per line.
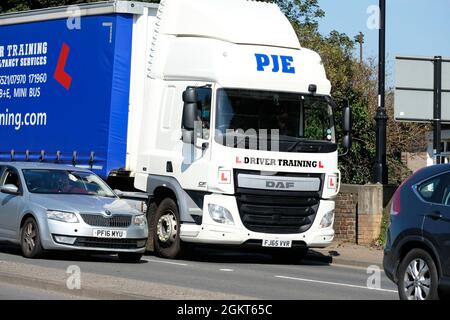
<point x="295" y="144"/>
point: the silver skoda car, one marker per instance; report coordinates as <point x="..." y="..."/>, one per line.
<point x="59" y="207"/>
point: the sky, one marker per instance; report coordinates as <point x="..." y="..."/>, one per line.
<point x="413" y="27"/>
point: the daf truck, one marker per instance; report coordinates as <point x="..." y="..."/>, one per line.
<point x="211" y="109"/>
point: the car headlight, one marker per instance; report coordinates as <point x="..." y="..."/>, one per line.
<point x="327" y="219"/>
<point x="139" y="220"/>
<point x="63" y="216"/>
<point x="220" y="214"/>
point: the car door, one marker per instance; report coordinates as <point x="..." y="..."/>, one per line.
<point x="436" y="226"/>
<point x="10" y="205"/>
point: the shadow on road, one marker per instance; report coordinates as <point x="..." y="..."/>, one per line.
<point x="197" y="254"/>
<point x="9" y="248"/>
<point x="226" y="255"/>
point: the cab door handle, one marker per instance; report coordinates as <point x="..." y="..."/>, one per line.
<point x="435" y="215"/>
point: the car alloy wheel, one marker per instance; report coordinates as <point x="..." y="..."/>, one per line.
<point x="30" y="237"/>
<point x="417" y="280"/>
<point x="30" y="240"/>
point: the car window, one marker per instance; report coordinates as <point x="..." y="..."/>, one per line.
<point x="436" y="190"/>
<point x="11" y="177"/>
<point x="446" y="198"/>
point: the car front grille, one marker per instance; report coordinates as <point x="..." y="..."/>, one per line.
<point x="115" y="221"/>
<point x="102" y="243"/>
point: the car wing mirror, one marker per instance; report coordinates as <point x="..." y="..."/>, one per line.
<point x="10" y="189"/>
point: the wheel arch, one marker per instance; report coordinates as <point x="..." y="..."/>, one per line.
<point x="160" y="187"/>
<point x="411" y="243"/>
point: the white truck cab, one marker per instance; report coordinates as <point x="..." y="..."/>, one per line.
<point x="236" y="141"/>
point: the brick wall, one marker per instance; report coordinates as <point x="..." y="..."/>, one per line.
<point x="359" y="212"/>
<point x="345" y="214"/>
<point x="369" y="227"/>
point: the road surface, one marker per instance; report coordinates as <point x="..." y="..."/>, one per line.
<point x="207" y="274"/>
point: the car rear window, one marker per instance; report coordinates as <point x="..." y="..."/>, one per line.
<point x="436" y="190"/>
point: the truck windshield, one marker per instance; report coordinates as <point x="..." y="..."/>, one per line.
<point x="65" y="182"/>
<point x="254" y="119"/>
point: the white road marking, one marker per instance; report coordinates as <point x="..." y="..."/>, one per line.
<point x="167" y="262"/>
<point x="336" y="284"/>
<point x="354" y="267"/>
<point x="226" y="270"/>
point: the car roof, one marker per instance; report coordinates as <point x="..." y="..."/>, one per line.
<point x="428" y="172"/>
<point x="42" y="165"/>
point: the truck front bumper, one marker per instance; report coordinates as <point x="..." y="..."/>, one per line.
<point x="216" y="233"/>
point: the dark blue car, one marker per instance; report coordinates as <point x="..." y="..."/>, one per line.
<point x="417" y="252"/>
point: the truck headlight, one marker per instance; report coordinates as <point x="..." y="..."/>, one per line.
<point x="220" y="214"/>
<point x="139" y="220"/>
<point x="63" y="216"/>
<point x="327" y="219"/>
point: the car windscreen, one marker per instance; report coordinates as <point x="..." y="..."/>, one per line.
<point x="48" y="181"/>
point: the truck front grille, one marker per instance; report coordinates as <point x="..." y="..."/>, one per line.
<point x="280" y="213"/>
<point x="115" y="221"/>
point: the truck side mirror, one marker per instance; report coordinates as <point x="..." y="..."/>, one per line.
<point x="347" y="123"/>
<point x="347" y="141"/>
<point x="189" y="115"/>
<point x="347" y="119"/>
<point x="189" y="108"/>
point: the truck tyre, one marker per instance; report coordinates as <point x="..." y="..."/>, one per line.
<point x="417" y="277"/>
<point x="30" y="240"/>
<point x="130" y="257"/>
<point x="166" y="229"/>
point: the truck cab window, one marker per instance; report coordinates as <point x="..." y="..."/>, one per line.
<point x="204" y="110"/>
<point x="299" y="119"/>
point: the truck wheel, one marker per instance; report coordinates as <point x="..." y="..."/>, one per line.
<point x="30" y="240"/>
<point x="417" y="277"/>
<point x="166" y="229"/>
<point x="130" y="257"/>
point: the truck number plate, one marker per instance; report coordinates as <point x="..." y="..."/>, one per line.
<point x="116" y="234"/>
<point x="277" y="243"/>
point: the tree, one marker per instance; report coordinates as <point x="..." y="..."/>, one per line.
<point x="305" y="12"/>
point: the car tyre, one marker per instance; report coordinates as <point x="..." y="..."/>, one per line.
<point x="30" y="240"/>
<point x="165" y="229"/>
<point x="130" y="257"/>
<point x="417" y="277"/>
<point x="151" y="212"/>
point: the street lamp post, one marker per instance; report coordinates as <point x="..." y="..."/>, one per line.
<point x="380" y="169"/>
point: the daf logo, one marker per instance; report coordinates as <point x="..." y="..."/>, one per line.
<point x="279" y="185"/>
